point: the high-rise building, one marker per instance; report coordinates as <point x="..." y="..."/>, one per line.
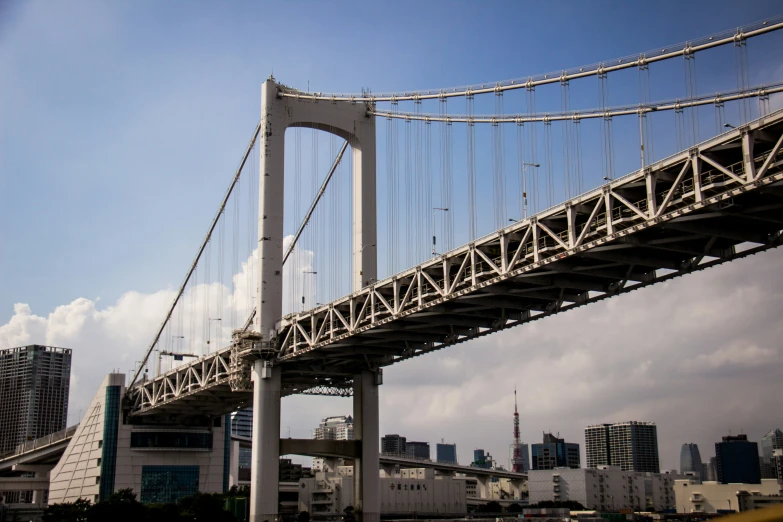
<point x="690" y="460"/>
<point x="335" y="428"/>
<point x="633" y="446"/>
<point x="418" y="450"/>
<point x="554" y="453"/>
<point x="737" y="460"/>
<point x="242" y="425"/>
<point x="446" y="453"/>
<point x="597" y="445"/>
<point x="711" y="471"/>
<point x="769" y="443"/>
<point x="34" y="386"/>
<point x="394" y="444"/>
<point x="482" y="459"/>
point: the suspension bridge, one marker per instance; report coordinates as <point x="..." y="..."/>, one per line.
<point x="237" y="334"/>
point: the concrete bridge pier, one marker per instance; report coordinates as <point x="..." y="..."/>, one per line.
<point x="366" y="478"/>
<point x="264" y="479"/>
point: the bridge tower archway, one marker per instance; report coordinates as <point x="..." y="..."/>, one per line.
<point x="354" y="123"/>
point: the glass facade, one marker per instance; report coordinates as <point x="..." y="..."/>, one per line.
<point x="167" y="484"/>
<point x="418" y="450"/>
<point x="171" y="439"/>
<point x="555" y="452"/>
<point x="242" y="423"/>
<point x="690" y="460"/>
<point x="111" y="421"/>
<point x="226" y="451"/>
<point x="394" y="445"/>
<point x="737" y="460"/>
<point x="446" y="453"/>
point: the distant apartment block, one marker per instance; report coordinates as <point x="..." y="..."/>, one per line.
<point x="335" y="428"/>
<point x="34" y="386"/>
<point x="632" y="446"/>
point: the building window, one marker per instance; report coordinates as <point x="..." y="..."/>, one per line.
<point x="171" y="439"/>
<point x="167" y="484"/>
<point x="98" y="479"/>
<point x="98" y="463"/>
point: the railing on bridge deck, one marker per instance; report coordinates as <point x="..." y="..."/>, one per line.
<point x="41" y="442"/>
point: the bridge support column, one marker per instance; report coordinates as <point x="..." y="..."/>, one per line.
<point x="366" y="476"/>
<point x="483" y="487"/>
<point x="264" y="482"/>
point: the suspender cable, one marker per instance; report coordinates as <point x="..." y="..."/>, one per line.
<point x="192" y="268"/>
<point x="531" y="107"/>
<point x="498" y="179"/>
<point x="318" y="196"/>
<point x="471" y="169"/>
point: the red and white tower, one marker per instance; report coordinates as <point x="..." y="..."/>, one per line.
<point x="517" y="461"/>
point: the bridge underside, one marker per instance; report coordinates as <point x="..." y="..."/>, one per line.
<point x="714" y="203"/>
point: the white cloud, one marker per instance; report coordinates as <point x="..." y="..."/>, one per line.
<point x="699" y="355"/>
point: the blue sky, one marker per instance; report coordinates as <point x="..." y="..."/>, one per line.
<point x="123" y="121"/>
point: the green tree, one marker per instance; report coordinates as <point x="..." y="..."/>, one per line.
<point x="515" y="508"/>
<point x="491" y="507"/>
<point x="205" y="507"/>
<point x="67" y="511"/>
<point x="121" y="506"/>
<point x="163" y="513"/>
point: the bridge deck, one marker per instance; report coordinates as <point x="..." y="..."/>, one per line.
<point x="713" y="203"/>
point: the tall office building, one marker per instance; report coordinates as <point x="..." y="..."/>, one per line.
<point x="482" y="459"/>
<point x="34" y="386"/>
<point x="770" y="442"/>
<point x="446" y="453"/>
<point x="418" y="450"/>
<point x="394" y="444"/>
<point x="554" y="453"/>
<point x="737" y="460"/>
<point x="242" y="425"/>
<point x="335" y="428"/>
<point x="690" y="460"/>
<point x="633" y="446"/>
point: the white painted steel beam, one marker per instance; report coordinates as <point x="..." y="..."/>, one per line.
<point x="661" y="217"/>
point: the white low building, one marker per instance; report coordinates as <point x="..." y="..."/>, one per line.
<point x="694" y="496"/>
<point x="415" y="491"/>
<point x="606" y="488"/>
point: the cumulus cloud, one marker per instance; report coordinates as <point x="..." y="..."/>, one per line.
<point x="699" y="355"/>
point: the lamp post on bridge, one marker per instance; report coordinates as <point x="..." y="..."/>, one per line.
<point x="524" y="186"/>
<point x="434" y="240"/>
<point x="209" y="329"/>
<point x="303" y="286"/>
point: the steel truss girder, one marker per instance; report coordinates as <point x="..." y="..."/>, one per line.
<point x="580" y="228"/>
<point x="529" y="270"/>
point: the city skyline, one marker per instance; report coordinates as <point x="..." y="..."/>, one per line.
<point x="637" y="356"/>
